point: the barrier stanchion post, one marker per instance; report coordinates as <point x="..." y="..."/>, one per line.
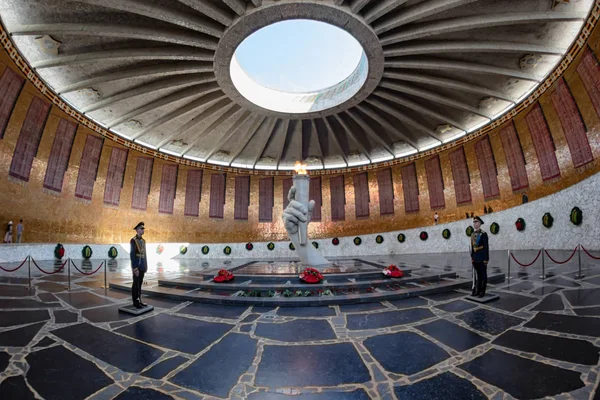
<point x="543" y="276"/>
<point x="579" y="274"/>
<point x="509" y="267"/>
<point x="69" y="271"/>
<point x="29" y="271"/>
<point x="105" y="285"/>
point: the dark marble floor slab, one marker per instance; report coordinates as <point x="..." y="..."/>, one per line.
<point x="26" y="303"/>
<point x="113" y="294"/>
<point x="405" y="352"/>
<point x="183" y="334"/>
<point x="15" y="387"/>
<point x="106" y="314"/>
<point x="560" y="281"/>
<point x="13" y="279"/>
<point x="409" y="303"/>
<point x="456" y="306"/>
<point x="593" y="280"/>
<point x="489" y="321"/>
<point x="306" y="311"/>
<point x="358" y="394"/>
<point x="160" y="302"/>
<point x="452" y="335"/>
<point x="519" y="286"/>
<point x="312" y="366"/>
<point x="97" y="284"/>
<point x="300" y="330"/>
<point x="506" y="371"/>
<point x="250" y="318"/>
<point x="64" y="316"/>
<point x="558" y="348"/>
<point x="14" y="291"/>
<point x="552" y="302"/>
<point x="245" y="328"/>
<point x="583" y="297"/>
<point x="444" y="296"/>
<point x="262" y="310"/>
<point x="385" y="319"/>
<point x="546" y="289"/>
<point x="163" y="368"/>
<point x="213" y="310"/>
<point x="47" y="297"/>
<point x="45" y="342"/>
<point x="444" y="386"/>
<point x="57" y="383"/>
<point x="56" y="277"/>
<point x="586" y="326"/>
<point x="4" y="359"/>
<point x="138" y="393"/>
<point x="52" y="287"/>
<point x="588" y="311"/>
<point x="83" y="299"/>
<point x="12" y="318"/>
<point x="20" y="337"/>
<point x="109" y="347"/>
<point x="350" y="308"/>
<point x="511" y="301"/>
<point x="228" y="359"/>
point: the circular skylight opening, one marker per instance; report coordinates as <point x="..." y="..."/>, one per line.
<point x="299" y="66"/>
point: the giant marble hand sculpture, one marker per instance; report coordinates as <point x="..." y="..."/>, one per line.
<point x="294" y="214"/>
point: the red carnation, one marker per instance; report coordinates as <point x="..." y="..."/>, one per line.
<point x="311" y="275"/>
<point x="223" y="276"/>
<point x="393" y="271"/>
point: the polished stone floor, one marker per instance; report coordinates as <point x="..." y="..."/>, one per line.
<point x="541" y="339"/>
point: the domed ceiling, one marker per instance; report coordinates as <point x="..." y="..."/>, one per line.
<point x="163" y="72"/>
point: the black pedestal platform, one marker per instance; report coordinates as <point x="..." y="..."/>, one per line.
<point x="130" y="309"/>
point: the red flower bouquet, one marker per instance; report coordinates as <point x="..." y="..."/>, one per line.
<point x="223" y="276"/>
<point x="392" y="271"/>
<point x="311" y="275"/>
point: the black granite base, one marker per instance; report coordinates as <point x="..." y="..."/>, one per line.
<point x="138" y="393"/>
<point x="313" y="365"/>
<point x="300" y="330"/>
<point x="163" y="368"/>
<point x="444" y="386"/>
<point x="488" y="298"/>
<point x="488" y="321"/>
<point x="125" y="354"/>
<point x="224" y="370"/>
<point x="177" y="333"/>
<point x="132" y="310"/>
<point x="54" y="383"/>
<point x="522" y="378"/>
<point x="452" y="335"/>
<point x="12" y="318"/>
<point x="586" y="326"/>
<point x="20" y="337"/>
<point x="385" y="319"/>
<point x="214" y="310"/>
<point x="550" y="303"/>
<point x="558" y="348"/>
<point x="15" y="388"/>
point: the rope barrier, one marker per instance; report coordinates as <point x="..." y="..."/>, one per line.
<point x="561" y="262"/>
<point x="87" y="273"/>
<point x="13" y="270"/>
<point x="591" y="256"/>
<point x="526" y="265"/>
<point x="49" y="273"/>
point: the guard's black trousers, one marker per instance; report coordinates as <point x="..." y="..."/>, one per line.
<point x="479" y="278"/>
<point x="136" y="288"/>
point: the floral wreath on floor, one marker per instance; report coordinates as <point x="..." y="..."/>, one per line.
<point x="223" y="276"/>
<point x="392" y="271"/>
<point x="311" y="275"/>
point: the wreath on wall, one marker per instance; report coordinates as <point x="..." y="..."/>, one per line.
<point x="547" y="220"/>
<point x="335" y="241"/>
<point x="357" y="241"/>
<point x="159" y="249"/>
<point x="227" y="250"/>
<point x="401" y="237"/>
<point x="292" y="247"/>
<point x="379" y="239"/>
<point x="205" y="250"/>
<point x="576" y="216"/>
<point x="112" y="252"/>
<point x="520" y="224"/>
<point x="423" y="236"/>
<point x="182" y="249"/>
<point x="446" y="234"/>
<point x="249" y="246"/>
<point x="59" y="251"/>
<point x="469" y="231"/>
<point x="495" y="228"/>
<point x="315" y="245"/>
<point x="86" y="252"/>
<point x="271" y="246"/>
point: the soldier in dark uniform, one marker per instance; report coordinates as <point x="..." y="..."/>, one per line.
<point x="139" y="264"/>
<point x="480" y="255"/>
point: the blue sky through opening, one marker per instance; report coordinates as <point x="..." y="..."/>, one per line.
<point x="299" y="55"/>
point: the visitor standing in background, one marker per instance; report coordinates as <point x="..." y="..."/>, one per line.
<point x="139" y="264"/>
<point x="436" y="217"/>
<point x="9" y="232"/>
<point x="20" y="232"/>
<point x="480" y="256"/>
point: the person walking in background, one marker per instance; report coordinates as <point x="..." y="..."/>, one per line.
<point x="9" y="233"/>
<point x="20" y="231"/>
<point x="436" y="217"/>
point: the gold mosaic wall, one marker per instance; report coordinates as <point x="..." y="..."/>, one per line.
<point x="63" y="218"/>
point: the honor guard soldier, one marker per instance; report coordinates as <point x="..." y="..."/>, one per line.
<point x="139" y="264"/>
<point x="480" y="255"/>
